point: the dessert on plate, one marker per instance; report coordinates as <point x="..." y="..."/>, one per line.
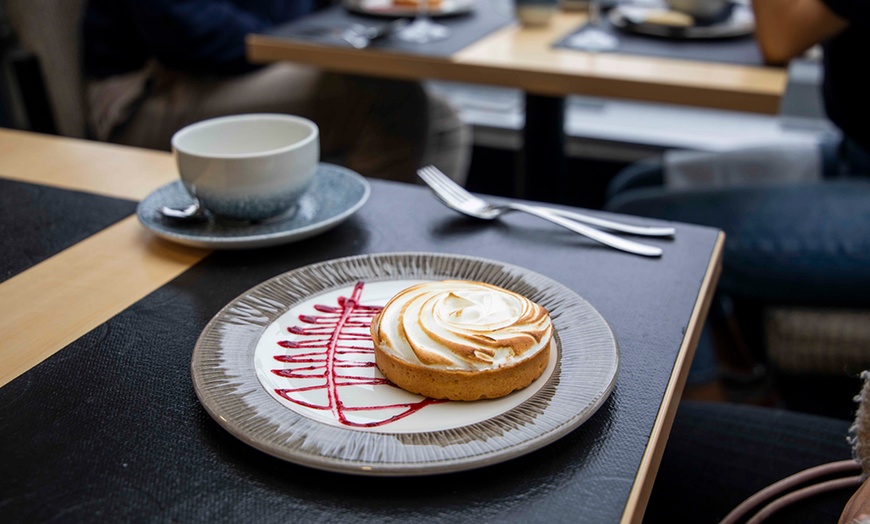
<point x="461" y="340"/>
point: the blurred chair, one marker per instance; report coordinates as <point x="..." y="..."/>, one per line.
<point x="46" y="69"/>
<point x="797" y="257"/>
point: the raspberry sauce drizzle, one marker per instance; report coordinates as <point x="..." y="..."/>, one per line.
<point x="337" y="340"/>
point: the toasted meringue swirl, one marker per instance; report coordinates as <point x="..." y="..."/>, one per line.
<point x="463" y="325"/>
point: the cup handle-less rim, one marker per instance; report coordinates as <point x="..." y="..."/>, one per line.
<point x="182" y="133"/>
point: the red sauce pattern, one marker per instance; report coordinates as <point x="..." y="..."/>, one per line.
<point x="330" y="347"/>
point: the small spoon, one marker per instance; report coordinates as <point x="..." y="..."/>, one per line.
<point x="193" y="212"/>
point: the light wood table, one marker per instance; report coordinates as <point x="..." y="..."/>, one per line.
<point x="524" y="58"/>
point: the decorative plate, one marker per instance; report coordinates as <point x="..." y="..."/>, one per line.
<point x="408" y="9"/>
<point x="288" y="368"/>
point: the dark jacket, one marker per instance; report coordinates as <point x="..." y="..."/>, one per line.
<point x="845" y="88"/>
<point x="205" y="36"/>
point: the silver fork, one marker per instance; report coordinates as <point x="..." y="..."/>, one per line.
<point x="436" y="176"/>
<point x="456" y="197"/>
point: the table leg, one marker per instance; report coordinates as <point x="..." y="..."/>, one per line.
<point x="542" y="171"/>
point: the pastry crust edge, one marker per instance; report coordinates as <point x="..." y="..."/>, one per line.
<point x="454" y="384"/>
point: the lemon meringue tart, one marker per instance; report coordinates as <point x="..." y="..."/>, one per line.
<point x="461" y="340"/>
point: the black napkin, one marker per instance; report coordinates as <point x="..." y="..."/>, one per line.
<point x="37" y="222"/>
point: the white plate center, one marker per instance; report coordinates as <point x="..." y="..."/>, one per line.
<point x="317" y="359"/>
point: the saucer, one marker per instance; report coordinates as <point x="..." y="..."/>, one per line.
<point x="739" y="22"/>
<point x="335" y="194"/>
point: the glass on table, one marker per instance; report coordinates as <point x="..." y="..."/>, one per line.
<point x="593" y="37"/>
<point x="423" y="30"/>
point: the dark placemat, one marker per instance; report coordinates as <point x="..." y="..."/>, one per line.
<point x="37" y="222"/>
<point x="110" y="428"/>
<point x="465" y="29"/>
<point x="738" y="50"/>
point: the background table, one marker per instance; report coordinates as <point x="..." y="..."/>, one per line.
<point x="524" y="58"/>
<point x="110" y="427"/>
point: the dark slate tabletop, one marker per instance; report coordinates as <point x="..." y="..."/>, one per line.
<point x="110" y="429"/>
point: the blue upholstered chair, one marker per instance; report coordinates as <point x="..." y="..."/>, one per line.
<point x="799" y="256"/>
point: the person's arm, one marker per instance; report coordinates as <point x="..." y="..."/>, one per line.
<point x="787" y="28"/>
<point x="198" y="35"/>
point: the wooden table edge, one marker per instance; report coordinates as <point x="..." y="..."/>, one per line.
<point x="642" y="488"/>
<point x="76" y="164"/>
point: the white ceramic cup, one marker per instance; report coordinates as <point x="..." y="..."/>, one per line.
<point x="699" y="9"/>
<point x="248" y="167"/>
<point x="535" y="13"/>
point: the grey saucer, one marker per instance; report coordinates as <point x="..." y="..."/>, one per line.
<point x="335" y="194"/>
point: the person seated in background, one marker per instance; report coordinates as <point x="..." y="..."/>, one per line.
<point x="155" y="66"/>
<point x="796" y="244"/>
<point x="790" y="238"/>
<point x="786" y="29"/>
